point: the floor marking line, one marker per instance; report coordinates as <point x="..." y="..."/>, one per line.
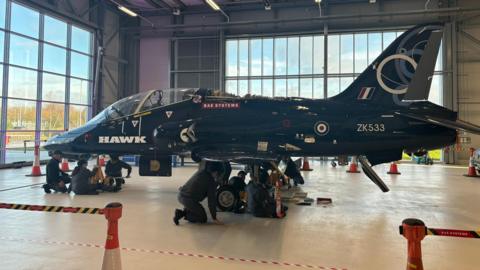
<point x="180" y="254"/>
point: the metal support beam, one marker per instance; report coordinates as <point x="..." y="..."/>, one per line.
<point x="471" y="38"/>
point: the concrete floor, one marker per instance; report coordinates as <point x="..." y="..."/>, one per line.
<point x="359" y="231"/>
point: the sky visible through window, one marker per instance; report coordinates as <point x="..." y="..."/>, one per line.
<point x="293" y="66"/>
<point x="40" y="89"/>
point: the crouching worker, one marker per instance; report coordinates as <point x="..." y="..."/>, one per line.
<point x="203" y="184"/>
<point x="113" y="171"/>
<point x="260" y="202"/>
<point x="82" y="179"/>
<point x="57" y="180"/>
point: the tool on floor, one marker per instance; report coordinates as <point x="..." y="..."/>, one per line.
<point x="353" y="166"/>
<point x="472" y="171"/>
<point x="393" y="168"/>
<point x="414" y="230"/>
<point x="324" y="200"/>
<point x="64" y="167"/>
<point x="306" y="165"/>
<point x="111" y="257"/>
<point x="36" y="171"/>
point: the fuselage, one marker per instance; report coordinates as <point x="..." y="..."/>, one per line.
<point x="229" y="128"/>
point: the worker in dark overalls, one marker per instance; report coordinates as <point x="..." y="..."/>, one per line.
<point x="203" y="184"/>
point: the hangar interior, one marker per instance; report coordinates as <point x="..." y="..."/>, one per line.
<point x="64" y="61"/>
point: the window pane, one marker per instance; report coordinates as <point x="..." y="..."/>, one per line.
<point x="1" y="85"/>
<point x="306" y="88"/>
<point x="267" y="87"/>
<point x="306" y="54"/>
<point x="55" y="31"/>
<point x="79" y="91"/>
<point x="292" y="85"/>
<point x="256" y="87"/>
<point x="231" y="87"/>
<point x="20" y="114"/>
<point x="255" y="57"/>
<point x="280" y="88"/>
<point x="15" y="149"/>
<point x="22" y="83"/>
<point x="80" y="66"/>
<point x="243" y="57"/>
<point x="346" y="56"/>
<point x="345" y="82"/>
<point x="24" y="20"/>
<point x="3" y="7"/>
<point x="81" y="40"/>
<point x="361" y="52"/>
<point x="23" y="51"/>
<point x="280" y="56"/>
<point x="374" y="46"/>
<point x="2" y="42"/>
<point x="268" y="57"/>
<point x="77" y="116"/>
<point x="293" y="58"/>
<point x="318" y="88"/>
<point x="54" y="59"/>
<point x="242" y="87"/>
<point x="232" y="57"/>
<point x="333" y="54"/>
<point x="52" y="116"/>
<point x="333" y="87"/>
<point x="318" y="51"/>
<point x="436" y="90"/>
<point x="53" y="87"/>
<point x="388" y="38"/>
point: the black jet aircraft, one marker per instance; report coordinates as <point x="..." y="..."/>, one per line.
<point x="381" y="114"/>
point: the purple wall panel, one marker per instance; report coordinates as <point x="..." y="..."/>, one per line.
<point x="154" y="63"/>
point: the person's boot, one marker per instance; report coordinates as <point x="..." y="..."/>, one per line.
<point x="46" y="188"/>
<point x="178" y="215"/>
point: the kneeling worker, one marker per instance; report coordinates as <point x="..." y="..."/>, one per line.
<point x="81" y="176"/>
<point x="260" y="202"/>
<point x="113" y="170"/>
<point x="200" y="186"/>
<point x="56" y="178"/>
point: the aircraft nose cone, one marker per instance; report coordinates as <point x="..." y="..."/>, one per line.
<point x="62" y="142"/>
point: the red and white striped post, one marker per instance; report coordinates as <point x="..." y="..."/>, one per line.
<point x="111" y="257"/>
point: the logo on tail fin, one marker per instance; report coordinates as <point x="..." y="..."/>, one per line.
<point x="366" y="93"/>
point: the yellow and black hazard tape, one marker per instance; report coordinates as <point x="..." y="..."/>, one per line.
<point x="57" y="209"/>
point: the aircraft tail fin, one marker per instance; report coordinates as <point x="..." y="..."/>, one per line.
<point x="403" y="71"/>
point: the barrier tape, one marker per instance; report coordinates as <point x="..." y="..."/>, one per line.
<point x="57" y="209"/>
<point x="453" y="233"/>
<point x="265" y="262"/>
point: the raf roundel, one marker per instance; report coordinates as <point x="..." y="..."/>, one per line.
<point x="321" y="128"/>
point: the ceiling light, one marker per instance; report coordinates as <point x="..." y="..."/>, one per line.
<point x="176" y="11"/>
<point x="128" y="11"/>
<point x="372" y="1"/>
<point x="318" y="1"/>
<point x="213" y="5"/>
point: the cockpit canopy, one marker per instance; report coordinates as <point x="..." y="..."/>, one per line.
<point x="144" y="101"/>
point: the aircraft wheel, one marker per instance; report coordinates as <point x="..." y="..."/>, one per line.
<point x="195" y="157"/>
<point x="334" y="164"/>
<point x="226" y="198"/>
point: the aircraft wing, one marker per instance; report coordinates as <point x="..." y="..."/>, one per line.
<point x="457" y="124"/>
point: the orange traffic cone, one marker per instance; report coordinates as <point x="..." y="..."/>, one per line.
<point x="36" y="171"/>
<point x="393" y="168"/>
<point x="472" y="172"/>
<point x="111" y="257"/>
<point x="306" y="165"/>
<point x="353" y="166"/>
<point x="101" y="161"/>
<point x="64" y="165"/>
<point x="414" y="231"/>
